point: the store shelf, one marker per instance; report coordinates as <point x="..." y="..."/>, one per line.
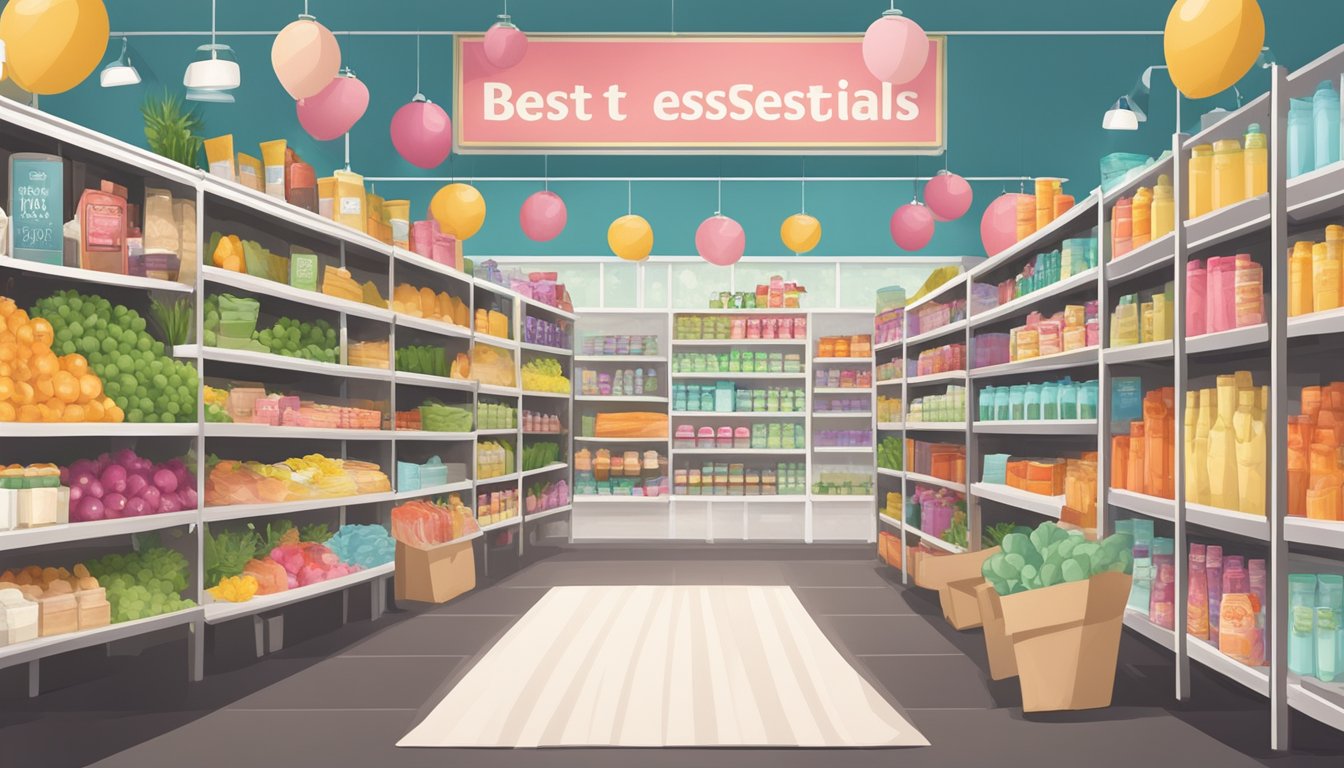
<point x="890" y="472"/>
<point x="946" y="546"/>
<point x="620" y="399"/>
<point x="545" y="513"/>
<point x="1319" y="533"/>
<point x="14" y="429"/>
<point x="414" y="259"/>
<point x="1023" y="304"/>
<point x="1255" y="678"/>
<point x="434" y="490"/>
<point x="937" y="333"/>
<point x="949" y="286"/>
<point x="495" y="389"/>
<point x="888" y="383"/>
<point x="241" y="511"/>
<point x="731" y="499"/>
<point x="1140" y="623"/>
<point x="605" y="499"/>
<point x="733" y="376"/>
<point x="1048" y="506"/>
<point x="842" y="498"/>
<point x="889" y="344"/>
<point x="946" y="377"/>
<point x="935" y="426"/>
<point x="545" y="308"/>
<point x="742" y="414"/>
<point x="553" y="395"/>
<point x="1143" y="504"/>
<point x="1039" y="427"/>
<point x="1316" y="323"/>
<point x="261" y="204"/>
<point x="512" y="521"/>
<point x="1074" y="358"/>
<point x="840" y="360"/>
<point x="890" y="426"/>
<point x="620" y="358"/>
<point x="495" y="288"/>
<point x="557" y="351"/>
<point x="844" y="449"/>
<point x="842" y="390"/>
<point x="432" y="326"/>
<point x="260" y="286"/>
<point x="1146" y="177"/>
<point x="1228" y="521"/>
<point x="580" y="439"/>
<point x="216" y="613"/>
<point x="293" y="433"/>
<point x="1140" y="353"/>
<point x="893" y="522"/>
<point x="428" y="436"/>
<point x="493" y="432"/>
<point x="548" y="468"/>
<point x="916" y="477"/>
<point x="292" y="364"/>
<point x="1082" y="215"/>
<point x="1246" y="113"/>
<point x="1237" y="338"/>
<point x="1317" y="193"/>
<point x="435" y="382"/>
<point x="842" y="415"/>
<point x="1148" y="257"/>
<point x="42" y="647"/>
<point x="498" y="479"/>
<point x="1227" y="223"/>
<point x="742" y="451"/>
<point x="494" y="341"/>
<point x="1321" y="701"/>
<point x="75" y="274"/>
<point x="23" y="538"/>
<point x="739" y="342"/>
<point x="535" y="433"/>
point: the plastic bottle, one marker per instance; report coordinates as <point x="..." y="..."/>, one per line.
<point x="1249" y="301"/>
<point x="1301" y="289"/>
<point x="1162" y="217"/>
<point x="1196" y="307"/>
<point x="1325" y="124"/>
<point x="1250" y="455"/>
<point x="1223" y="448"/>
<point x="1122" y="228"/>
<point x="1301" y="623"/>
<point x="1329" y="629"/>
<point x="1229" y="173"/>
<point x="1299" y="472"/>
<point x="1301" y="145"/>
<point x="1213" y="573"/>
<point x="1046" y="189"/>
<point x="1192" y="475"/>
<point x="1201" y="180"/>
<point x="1162" y="592"/>
<point x="1197" y="595"/>
<point x="1256" y="160"/>
<point x="1325" y="277"/>
<point x="1334" y="249"/>
<point x="1200" y="466"/>
<point x="1141" y="214"/>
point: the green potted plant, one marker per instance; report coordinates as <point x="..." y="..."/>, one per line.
<point x="172" y="130"/>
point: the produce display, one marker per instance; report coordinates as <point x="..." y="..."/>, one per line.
<point x="310" y="477"/>
<point x="992" y="535"/>
<point x="492" y="365"/>
<point x="123" y="484"/>
<point x="494" y="459"/>
<point x="934" y="511"/>
<point x="890" y="453"/>
<point x="172" y="320"/>
<point x="437" y="417"/>
<point x="544" y="374"/>
<point x="230" y="322"/>
<point x="956" y="533"/>
<point x="368" y="354"/>
<point x="143" y="584"/>
<point x="338" y="282"/>
<point x="1051" y="555"/>
<point x="243" y="563"/>
<point x="234" y="589"/>
<point x="432" y="361"/>
<point x="424" y="524"/>
<point x="364" y="546"/>
<point x="543" y="496"/>
<point x="423" y="302"/>
<point x="42" y="602"/>
<point x="538" y="454"/>
<point x="216" y="403"/>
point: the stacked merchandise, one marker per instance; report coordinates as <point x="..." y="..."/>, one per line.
<point x="947" y="407"/>
<point x="550" y="495"/>
<point x="763" y="435"/>
<point x="1315" y="471"/>
<point x="535" y="423"/>
<point x="1228" y="294"/>
<point x="945" y="461"/>
<point x="369" y="354"/>
<point x="492" y="366"/>
<point x="728" y="397"/>
<point x="892" y="509"/>
<point x="251" y="404"/>
<point x="737" y="361"/>
<point x="1074" y="328"/>
<point x="890" y="452"/>
<point x="492" y="322"/>
<point x="845" y="346"/>
<point x="938" y="512"/>
<point x="545" y="375"/>
<point x="299" y="269"/>
<point x="889" y="371"/>
<point x="831" y="403"/>
<point x="1226" y="603"/>
<point x="619" y="383"/>
<point x="1222" y="174"/>
<point x="843" y="438"/>
<point x="1143" y="317"/>
<point x="772" y="295"/>
<point x="1049" y="203"/>
<point x="230" y="323"/>
<point x="620" y="345"/>
<point x="622" y="474"/>
<point x="240" y="564"/>
<point x="538" y="286"/>
<point x="933" y="315"/>
<point x="542" y="453"/>
<point x="544" y="332"/>
<point x="431" y="474"/>
<point x="310" y="477"/>
<point x="432" y="360"/>
<point x="1143" y="461"/>
<point x="625" y="424"/>
<point x="888" y="409"/>
<point x="723" y="327"/>
<point x="843" y="378"/>
<point x="1313" y="131"/>
<point x="423" y="524"/>
<point x="1075" y="257"/>
<point x="124" y="485"/>
<point x="944" y="359"/>
<point x="1147" y="216"/>
<point x="1073" y="479"/>
<point x="1316" y="274"/>
<point x="1048" y="401"/>
<point x="1225" y="448"/>
<point x="496" y="506"/>
<point x="724" y="479"/>
<point x="494" y="459"/>
<point x="842" y="481"/>
<point x="433" y="416"/>
<point x="887" y="328"/>
<point x="496" y="416"/>
<point x="1315" y="625"/>
<point x="423" y="302"/>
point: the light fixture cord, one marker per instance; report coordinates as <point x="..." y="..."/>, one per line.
<point x="803" y="190"/>
<point x="629" y="197"/>
<point x="417" y="64"/>
<point x="718" y="209"/>
<point x="305" y="8"/>
<point x="672" y="18"/>
<point x="546" y="172"/>
<point x="212" y="27"/>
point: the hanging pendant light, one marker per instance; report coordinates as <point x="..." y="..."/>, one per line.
<point x="422" y="133"/>
<point x="505" y="44"/>
<point x="895" y="49"/>
<point x="211" y="77"/>
<point x="120" y="71"/>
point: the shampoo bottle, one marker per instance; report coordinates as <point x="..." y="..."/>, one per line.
<point x="1196" y="281"/>
<point x="1122" y="227"/>
<point x="1197" y="595"/>
<point x="1223" y="486"/>
<point x="1301" y="146"/>
<point x="1201" y="180"/>
<point x="1229" y="173"/>
<point x="1213" y="574"/>
<point x="1163" y="214"/>
<point x="1141" y="216"/>
<point x="1199" y="468"/>
<point x="1325" y="124"/>
<point x="1250" y="455"/>
<point x="1301" y="288"/>
<point x="1256" y="161"/>
<point x="1325" y="276"/>
<point x="1191" y="417"/>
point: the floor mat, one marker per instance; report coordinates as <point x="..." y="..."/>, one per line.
<point x="656" y="666"/>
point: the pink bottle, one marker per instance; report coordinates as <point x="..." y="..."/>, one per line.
<point x="1220" y="295"/>
<point x="1196" y="289"/>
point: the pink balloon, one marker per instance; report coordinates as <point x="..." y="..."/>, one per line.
<point x="912" y="226"/>
<point x="422" y="133"/>
<point x="948" y="196"/>
<point x="305" y="57"/>
<point x="998" y="225"/>
<point x="504" y="44"/>
<point x="720" y="240"/>
<point x="543" y="216"/>
<point x="895" y="49"/>
<point x="335" y="110"/>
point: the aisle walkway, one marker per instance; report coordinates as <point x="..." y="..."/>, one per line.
<point x="345" y="698"/>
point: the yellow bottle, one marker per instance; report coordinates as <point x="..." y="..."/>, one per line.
<point x="1125" y="323"/>
<point x="1229" y="173"/>
<point x="1141" y="217"/>
<point x="1199" y="468"/>
<point x="1191" y="426"/>
<point x="1026" y="216"/>
<point x="1334" y="241"/>
<point x="1325" y="268"/>
<point x="1223" y="448"/>
<point x="1256" y="160"/>
<point x="1146" y="322"/>
<point x="1201" y="180"/>
<point x="1046" y="189"/>
<point x="1250" y="455"/>
<point x="1163" y="320"/>
<point x="1300" y="290"/>
<point x="1163" y="214"/>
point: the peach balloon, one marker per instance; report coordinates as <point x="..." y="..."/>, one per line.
<point x="305" y="57"/>
<point x="895" y="49"/>
<point x="998" y="224"/>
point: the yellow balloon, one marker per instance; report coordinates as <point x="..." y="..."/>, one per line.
<point x="459" y="209"/>
<point x="1211" y="44"/>
<point x="52" y="45"/>
<point x="800" y="232"/>
<point x="630" y="237"/>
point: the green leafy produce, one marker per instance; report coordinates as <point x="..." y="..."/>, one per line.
<point x="275" y="531"/>
<point x="173" y="321"/>
<point x="993" y="534"/>
<point x="956" y="533"/>
<point x="217" y="415"/>
<point x="227" y="552"/>
<point x="316" y="532"/>
<point x="437" y="417"/>
<point x="538" y="454"/>
<point x="172" y="131"/>
<point x="143" y="584"/>
<point x="137" y="372"/>
<point x="1051" y="555"/>
<point x="890" y="452"/>
<point x="429" y="360"/>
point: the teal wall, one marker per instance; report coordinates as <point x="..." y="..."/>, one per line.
<point x="1017" y="105"/>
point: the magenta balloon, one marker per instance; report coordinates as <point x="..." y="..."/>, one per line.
<point x="998" y="224"/>
<point x="948" y="196"/>
<point x="895" y="49"/>
<point x="543" y="216"/>
<point x="422" y="134"/>
<point x="720" y="240"/>
<point x="335" y="109"/>
<point x="504" y="45"/>
<point x="912" y="226"/>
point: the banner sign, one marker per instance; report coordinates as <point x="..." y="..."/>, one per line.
<point x="810" y="95"/>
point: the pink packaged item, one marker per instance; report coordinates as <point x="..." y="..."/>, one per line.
<point x="445" y="250"/>
<point x="753" y="328"/>
<point x="770" y="328"/>
<point x="1093" y="332"/>
<point x="739" y="328"/>
<point x="800" y="328"/>
<point x="685" y="437"/>
<point x="742" y="437"/>
<point x="1220" y="296"/>
<point x="1196" y="289"/>
<point x="422" y="237"/>
<point x="705" y="438"/>
<point x="266" y="410"/>
<point x="725" y="438"/>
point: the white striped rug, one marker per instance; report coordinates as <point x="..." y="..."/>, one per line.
<point x="664" y="666"/>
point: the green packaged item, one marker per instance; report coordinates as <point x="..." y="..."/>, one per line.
<point x="303" y="270"/>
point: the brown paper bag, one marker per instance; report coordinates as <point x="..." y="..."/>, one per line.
<point x="998" y="646"/>
<point x="436" y="574"/>
<point x="955" y="577"/>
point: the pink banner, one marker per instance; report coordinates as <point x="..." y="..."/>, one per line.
<point x="689" y="93"/>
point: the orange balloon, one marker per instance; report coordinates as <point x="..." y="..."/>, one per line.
<point x="52" y="45"/>
<point x="1211" y="44"/>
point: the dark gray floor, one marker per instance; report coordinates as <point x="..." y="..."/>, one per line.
<point x="344" y="697"/>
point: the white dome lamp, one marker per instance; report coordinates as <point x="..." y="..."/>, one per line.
<point x="211" y="78"/>
<point x="120" y="71"/>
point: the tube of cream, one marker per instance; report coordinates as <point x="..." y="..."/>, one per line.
<point x="273" y="158"/>
<point x="249" y="172"/>
<point x="219" y="154"/>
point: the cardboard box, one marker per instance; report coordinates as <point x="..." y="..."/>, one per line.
<point x="998" y="645"/>
<point x="955" y="577"/>
<point x="436" y="574"/>
<point x="1066" y="639"/>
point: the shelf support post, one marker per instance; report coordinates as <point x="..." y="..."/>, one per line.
<point x="1277" y="486"/>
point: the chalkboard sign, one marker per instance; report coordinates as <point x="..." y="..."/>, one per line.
<point x="36" y="207"/>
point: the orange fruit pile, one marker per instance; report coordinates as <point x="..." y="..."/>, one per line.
<point x="38" y="386"/>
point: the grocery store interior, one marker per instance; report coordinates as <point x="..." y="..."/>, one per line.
<point x="952" y="385"/>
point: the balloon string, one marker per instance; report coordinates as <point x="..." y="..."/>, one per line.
<point x="804" y="186"/>
<point x="718" y="209"/>
<point x="417" y="64"/>
<point x="629" y="197"/>
<point x="546" y="172"/>
<point x="212" y="26"/>
<point x="305" y="7"/>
